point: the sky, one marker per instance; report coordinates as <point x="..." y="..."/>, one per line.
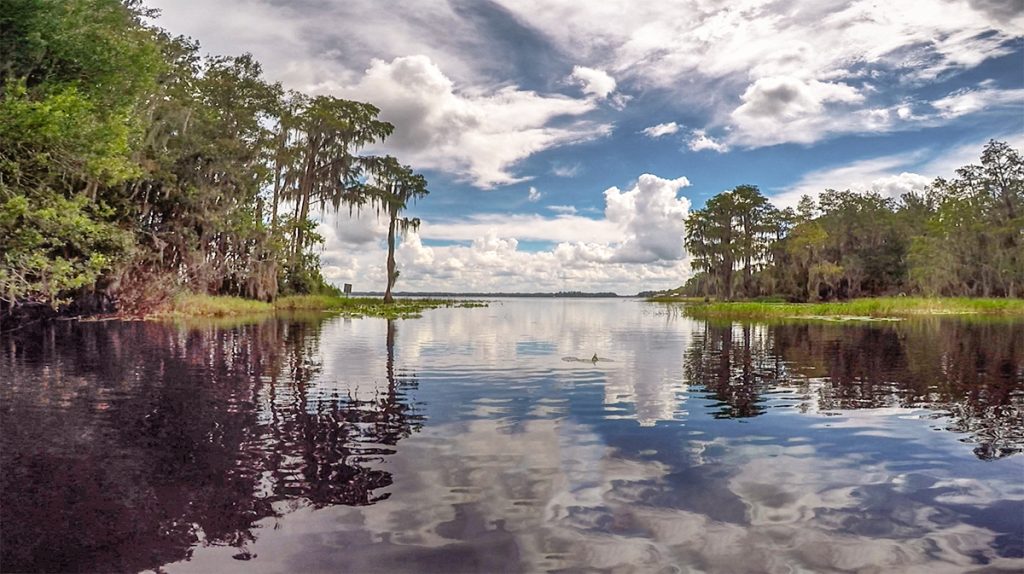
<point x="565" y="141"/>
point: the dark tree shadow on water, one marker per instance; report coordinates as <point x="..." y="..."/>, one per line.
<point x="125" y="445"/>
<point x="969" y="374"/>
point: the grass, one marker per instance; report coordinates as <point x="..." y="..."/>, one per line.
<point x="215" y="306"/>
<point x="185" y="306"/>
<point x="875" y="307"/>
<point x="401" y="308"/>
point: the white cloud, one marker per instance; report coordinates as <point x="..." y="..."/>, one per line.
<point x="313" y="45"/>
<point x="946" y="163"/>
<point x="700" y="140"/>
<point x="638" y="244"/>
<point x="533" y="195"/>
<point x="651" y="216"/>
<point x="781" y="109"/>
<point x="476" y="126"/>
<point x="566" y="170"/>
<point x="967" y="101"/>
<point x="477" y="134"/>
<point x="593" y="82"/>
<point x="659" y="130"/>
<point x="893" y="175"/>
<point x="564" y="228"/>
<point x="884" y="175"/>
<point x="780" y="72"/>
<point x="563" y="209"/>
<point x="776" y="71"/>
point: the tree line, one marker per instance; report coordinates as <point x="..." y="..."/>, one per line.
<point x="133" y="167"/>
<point x="958" y="237"/>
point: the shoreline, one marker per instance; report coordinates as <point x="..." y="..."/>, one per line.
<point x="216" y="306"/>
<point x="854" y="309"/>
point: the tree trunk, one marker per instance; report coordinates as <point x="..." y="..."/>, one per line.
<point x="306" y="191"/>
<point x="277" y="196"/>
<point x="391" y="257"/>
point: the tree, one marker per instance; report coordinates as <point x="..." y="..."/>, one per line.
<point x="72" y="76"/>
<point x="393" y="187"/>
<point x="329" y="133"/>
<point x="979" y="223"/>
<point x="734" y="229"/>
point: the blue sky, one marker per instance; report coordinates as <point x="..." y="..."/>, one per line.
<point x="564" y="141"/>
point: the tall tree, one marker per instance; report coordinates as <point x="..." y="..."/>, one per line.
<point x="331" y="132"/>
<point x="393" y="188"/>
<point x="733" y="231"/>
<point x="980" y="221"/>
<point x="755" y="224"/>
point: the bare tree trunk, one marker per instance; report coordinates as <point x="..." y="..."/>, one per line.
<point x="305" y="191"/>
<point x="391" y="258"/>
<point x="295" y="231"/>
<point x="276" y="199"/>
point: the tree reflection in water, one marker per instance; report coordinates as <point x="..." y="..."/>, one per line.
<point x="969" y="373"/>
<point x="127" y="446"/>
<point x="123" y="445"/>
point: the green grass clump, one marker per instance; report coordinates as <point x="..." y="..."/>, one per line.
<point x="868" y="307"/>
<point x="191" y="305"/>
<point x="316" y="302"/>
<point x="363" y="306"/>
<point x="674" y="299"/>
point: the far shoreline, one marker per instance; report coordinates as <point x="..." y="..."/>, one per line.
<point x="852" y="309"/>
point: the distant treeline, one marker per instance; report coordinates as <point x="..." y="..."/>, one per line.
<point x="132" y="167"/>
<point x="958" y="237"/>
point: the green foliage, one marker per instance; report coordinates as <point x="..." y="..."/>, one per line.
<point x="51" y="246"/>
<point x="215" y="306"/>
<point x="963" y="237"/>
<point x="394" y="187"/>
<point x="732" y="232"/>
<point x="972" y="242"/>
<point x="185" y="306"/>
<point x="73" y="73"/>
<point x="132" y="166"/>
<point x="878" y="307"/>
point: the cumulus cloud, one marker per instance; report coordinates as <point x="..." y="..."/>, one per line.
<point x="700" y="140"/>
<point x="659" y="130"/>
<point x="637" y="245"/>
<point x="478" y="135"/>
<point x="650" y="215"/>
<point x="782" y="109"/>
<point x="593" y="82"/>
<point x="533" y="195"/>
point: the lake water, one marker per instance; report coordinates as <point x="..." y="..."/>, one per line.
<point x="487" y="440"/>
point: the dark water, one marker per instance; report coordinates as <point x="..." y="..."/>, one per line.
<point x="464" y="441"/>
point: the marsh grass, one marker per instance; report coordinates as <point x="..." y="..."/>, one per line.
<point x="215" y="306"/>
<point x="185" y="306"/>
<point x="879" y="307"/>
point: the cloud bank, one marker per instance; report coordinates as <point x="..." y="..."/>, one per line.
<point x="638" y="244"/>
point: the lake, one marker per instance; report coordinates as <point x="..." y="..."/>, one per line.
<point x="488" y="440"/>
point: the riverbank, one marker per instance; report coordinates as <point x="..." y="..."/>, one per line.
<point x="876" y="307"/>
<point x="190" y="306"/>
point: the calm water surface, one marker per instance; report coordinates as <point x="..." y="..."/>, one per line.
<point x="486" y="440"/>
